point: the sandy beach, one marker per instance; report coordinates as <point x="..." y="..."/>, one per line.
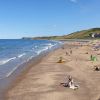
<point x="42" y="81"/>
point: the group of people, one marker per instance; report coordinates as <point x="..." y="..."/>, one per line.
<point x="70" y="83"/>
<point x="61" y="58"/>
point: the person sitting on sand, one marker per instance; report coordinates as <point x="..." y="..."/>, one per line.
<point x="97" y="68"/>
<point x="70" y="83"/>
<point x="61" y="60"/>
<point x="69" y="79"/>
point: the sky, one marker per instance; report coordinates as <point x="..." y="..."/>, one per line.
<point x="31" y="18"/>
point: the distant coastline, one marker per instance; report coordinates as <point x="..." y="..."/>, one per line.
<point x="93" y="33"/>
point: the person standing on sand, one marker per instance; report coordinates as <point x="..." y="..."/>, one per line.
<point x="66" y="53"/>
<point x="70" y="51"/>
<point x="91" y="57"/>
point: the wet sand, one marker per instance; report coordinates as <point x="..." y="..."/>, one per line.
<point x="42" y="81"/>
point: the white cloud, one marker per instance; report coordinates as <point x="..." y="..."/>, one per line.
<point x="74" y="1"/>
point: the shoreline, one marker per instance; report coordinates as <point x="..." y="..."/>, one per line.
<point x="18" y="75"/>
<point x="33" y="63"/>
<point x="10" y="81"/>
<point x="29" y="65"/>
<point x="41" y="81"/>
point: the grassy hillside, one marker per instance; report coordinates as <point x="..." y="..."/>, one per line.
<point x="84" y="34"/>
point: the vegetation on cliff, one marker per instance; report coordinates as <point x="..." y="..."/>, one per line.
<point x="84" y="34"/>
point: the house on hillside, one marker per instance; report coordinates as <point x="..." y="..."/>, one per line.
<point x="95" y="35"/>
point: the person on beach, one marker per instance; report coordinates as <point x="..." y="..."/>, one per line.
<point x="70" y="51"/>
<point x="93" y="58"/>
<point x="97" y="68"/>
<point x="61" y="60"/>
<point x="66" y="53"/>
<point x="70" y="83"/>
<point x="69" y="79"/>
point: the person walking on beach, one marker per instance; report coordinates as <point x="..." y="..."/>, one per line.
<point x="70" y="51"/>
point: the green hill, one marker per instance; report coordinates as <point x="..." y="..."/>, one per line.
<point x="84" y="34"/>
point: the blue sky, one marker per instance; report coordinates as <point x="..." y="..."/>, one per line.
<point x="19" y="18"/>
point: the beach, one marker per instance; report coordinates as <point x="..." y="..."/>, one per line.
<point x="42" y="80"/>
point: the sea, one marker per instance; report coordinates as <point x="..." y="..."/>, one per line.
<point x="15" y="52"/>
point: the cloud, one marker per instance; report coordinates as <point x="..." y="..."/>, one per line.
<point x="74" y="1"/>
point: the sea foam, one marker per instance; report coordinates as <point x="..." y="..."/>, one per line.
<point x="2" y="62"/>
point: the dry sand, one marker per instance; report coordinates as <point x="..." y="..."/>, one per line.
<point x="42" y="82"/>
